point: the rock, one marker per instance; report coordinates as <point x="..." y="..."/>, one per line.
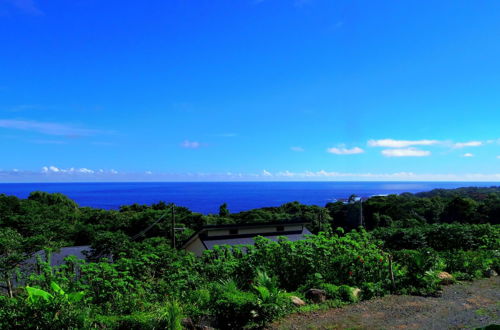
<point x="356" y="292"/>
<point x="445" y="278"/>
<point x="316" y="295"/>
<point x="204" y="323"/>
<point x="187" y="323"/>
<point x="491" y="273"/>
<point x="297" y="301"/>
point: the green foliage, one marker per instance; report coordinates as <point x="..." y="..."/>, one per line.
<point x="171" y="317"/>
<point x="332" y="290"/>
<point x="346" y="294"/>
<point x="36" y="296"/>
<point x="140" y="282"/>
<point x="468" y="265"/>
<point x="441" y="237"/>
<point x="418" y="270"/>
<point x="223" y="210"/>
<point x="232" y="307"/>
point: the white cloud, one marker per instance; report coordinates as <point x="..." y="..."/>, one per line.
<point x="408" y="152"/>
<point x="396" y="176"/>
<point x="285" y="174"/>
<point x="46" y="127"/>
<point x="190" y="144"/>
<point x="50" y="169"/>
<point x="345" y="151"/>
<point x="468" y="155"/>
<point x="85" y="170"/>
<point x="459" y="145"/>
<point x="266" y="173"/>
<point x="390" y="143"/>
<point x="148" y="172"/>
<point x="55" y="174"/>
<point x="56" y="170"/>
<point x="297" y="149"/>
<point x="498" y="157"/>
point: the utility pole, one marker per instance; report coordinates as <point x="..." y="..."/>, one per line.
<point x="173" y="227"/>
<point x="320" y="225"/>
<point x="361" y="211"/>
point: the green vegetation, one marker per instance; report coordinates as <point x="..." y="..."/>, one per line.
<point x="410" y="240"/>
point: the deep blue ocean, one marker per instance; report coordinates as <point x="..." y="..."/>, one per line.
<point x="206" y="197"/>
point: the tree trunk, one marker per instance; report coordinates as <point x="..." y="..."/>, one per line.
<point x="9" y="286"/>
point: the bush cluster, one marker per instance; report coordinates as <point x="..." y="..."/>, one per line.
<point x="150" y="285"/>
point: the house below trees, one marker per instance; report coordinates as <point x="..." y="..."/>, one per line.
<point x="243" y="234"/>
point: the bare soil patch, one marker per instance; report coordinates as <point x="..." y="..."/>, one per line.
<point x="460" y="306"/>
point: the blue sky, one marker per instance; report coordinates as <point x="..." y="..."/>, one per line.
<point x="249" y="90"/>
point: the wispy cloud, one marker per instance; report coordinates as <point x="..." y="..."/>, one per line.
<point x="390" y="143"/>
<point x="83" y="174"/>
<point x="459" y="145"/>
<point x="190" y="144"/>
<point x="468" y="155"/>
<point x="407" y="152"/>
<point x="72" y="170"/>
<point x="46" y="128"/>
<point x="266" y="173"/>
<point x="345" y="151"/>
<point x="27" y="6"/>
<point x="396" y="176"/>
<point x="297" y="149"/>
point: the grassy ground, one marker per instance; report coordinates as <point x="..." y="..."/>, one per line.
<point x="461" y="306"/>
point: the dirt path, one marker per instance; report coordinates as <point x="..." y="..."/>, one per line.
<point x="466" y="305"/>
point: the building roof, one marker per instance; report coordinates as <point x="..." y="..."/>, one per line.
<point x="249" y="239"/>
<point x="57" y="258"/>
<point x="210" y="241"/>
<point x="255" y="224"/>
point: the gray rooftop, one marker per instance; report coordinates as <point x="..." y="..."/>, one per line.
<point x="210" y="243"/>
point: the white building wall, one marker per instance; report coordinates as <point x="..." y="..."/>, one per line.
<point x="196" y="246"/>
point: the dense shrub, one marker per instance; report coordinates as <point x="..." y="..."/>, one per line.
<point x="418" y="271"/>
<point x="441" y="237"/>
<point x="232" y="307"/>
<point x="149" y="285"/>
<point x="351" y="259"/>
<point x="468" y="265"/>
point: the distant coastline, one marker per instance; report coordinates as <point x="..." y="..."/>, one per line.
<point x="206" y="197"/>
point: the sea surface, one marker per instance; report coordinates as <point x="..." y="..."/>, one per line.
<point x="206" y="197"/>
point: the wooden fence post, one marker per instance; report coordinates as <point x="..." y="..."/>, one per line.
<point x="392" y="274"/>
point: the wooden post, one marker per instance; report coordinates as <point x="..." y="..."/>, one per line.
<point x="392" y="274"/>
<point x="173" y="227"/>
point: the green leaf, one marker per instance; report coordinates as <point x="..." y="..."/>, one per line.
<point x="75" y="297"/>
<point x="35" y="295"/>
<point x="57" y="288"/>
